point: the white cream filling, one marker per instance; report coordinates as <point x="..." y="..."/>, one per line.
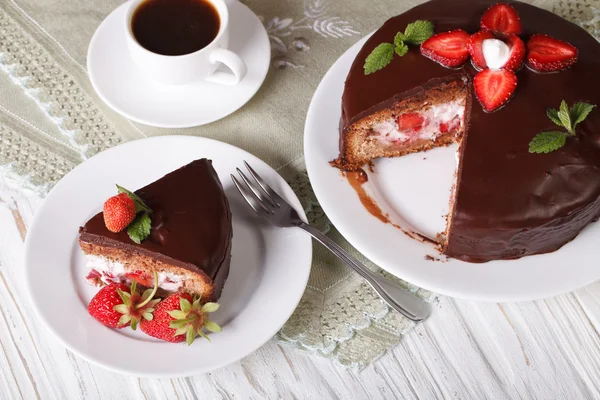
<point x="114" y="272"/>
<point x="388" y="130"/>
<point x="495" y="52"/>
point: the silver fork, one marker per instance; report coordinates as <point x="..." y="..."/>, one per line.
<point x="271" y="207"/>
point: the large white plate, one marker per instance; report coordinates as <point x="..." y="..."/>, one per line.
<point x="415" y="189"/>
<point x="269" y="266"/>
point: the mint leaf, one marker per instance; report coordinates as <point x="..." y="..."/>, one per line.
<point x="379" y="58"/>
<point x="419" y="31"/>
<point x="401" y="49"/>
<point x="565" y="116"/>
<point x="139" y="229"/>
<point x="553" y="115"/>
<point x="399" y="39"/>
<point x="139" y="203"/>
<point x="579" y="112"/>
<point x="546" y="142"/>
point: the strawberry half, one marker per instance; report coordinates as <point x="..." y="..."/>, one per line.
<point x="547" y="54"/>
<point x="410" y="122"/>
<point x="475" y="50"/>
<point x="494" y="87"/>
<point x="118" y="212"/>
<point x="501" y="19"/>
<point x="517" y="53"/>
<point x="448" y="48"/>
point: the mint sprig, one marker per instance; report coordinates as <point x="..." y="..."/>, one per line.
<point x="138" y="229"/>
<point x="415" y="33"/>
<point x="565" y="117"/>
<point x="139" y="203"/>
<point x="379" y="58"/>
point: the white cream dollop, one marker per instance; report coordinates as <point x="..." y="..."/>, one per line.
<point x="495" y="52"/>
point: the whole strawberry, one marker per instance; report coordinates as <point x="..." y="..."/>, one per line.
<point x="102" y="306"/>
<point x="178" y="318"/>
<point x="118" y="212"/>
<point x="118" y="305"/>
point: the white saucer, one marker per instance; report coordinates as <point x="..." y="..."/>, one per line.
<point x="268" y="275"/>
<point x="414" y="190"/>
<point x="126" y="90"/>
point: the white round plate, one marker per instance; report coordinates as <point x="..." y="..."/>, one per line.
<point x="415" y="190"/>
<point x="269" y="266"/>
<point x="129" y="92"/>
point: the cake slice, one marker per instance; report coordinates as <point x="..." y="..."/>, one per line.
<point x="189" y="245"/>
<point x="420" y="119"/>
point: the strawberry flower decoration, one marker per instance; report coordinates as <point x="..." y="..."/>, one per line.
<point x="497" y="52"/>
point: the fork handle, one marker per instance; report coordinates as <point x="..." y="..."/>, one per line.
<point x="395" y="296"/>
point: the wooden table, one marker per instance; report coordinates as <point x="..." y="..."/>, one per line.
<point x="546" y="349"/>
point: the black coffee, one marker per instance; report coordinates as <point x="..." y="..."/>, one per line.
<point x="175" y="27"/>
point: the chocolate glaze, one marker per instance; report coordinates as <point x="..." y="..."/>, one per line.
<point x="509" y="203"/>
<point x="191" y="223"/>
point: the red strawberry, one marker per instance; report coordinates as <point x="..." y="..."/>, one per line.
<point x="118" y="305"/>
<point x="474" y="47"/>
<point x="118" y="212"/>
<point x="140" y="277"/>
<point x="494" y="87"/>
<point x="102" y="305"/>
<point x="547" y="54"/>
<point x="178" y="319"/>
<point x="450" y="126"/>
<point x="410" y="122"/>
<point x="448" y="48"/>
<point x="501" y="19"/>
<point x="517" y="53"/>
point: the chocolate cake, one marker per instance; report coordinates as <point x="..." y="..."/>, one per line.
<point x="190" y="241"/>
<point x="507" y="202"/>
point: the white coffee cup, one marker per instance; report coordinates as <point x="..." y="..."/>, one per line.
<point x="201" y="64"/>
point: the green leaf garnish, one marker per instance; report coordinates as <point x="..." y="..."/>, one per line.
<point x="379" y="58"/>
<point x="139" y="203"/>
<point x="139" y="228"/>
<point x="415" y="33"/>
<point x="579" y="112"/>
<point x="553" y="115"/>
<point x="565" y="116"/>
<point x="419" y="31"/>
<point x="546" y="142"/>
<point x="401" y="49"/>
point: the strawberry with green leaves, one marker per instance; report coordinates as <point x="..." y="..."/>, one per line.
<point x="180" y="318"/>
<point x="118" y="306"/>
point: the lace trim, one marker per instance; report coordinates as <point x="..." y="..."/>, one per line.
<point x="35" y="165"/>
<point x="59" y="93"/>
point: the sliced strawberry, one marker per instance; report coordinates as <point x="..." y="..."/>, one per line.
<point x="547" y="54"/>
<point x="517" y="53"/>
<point x="494" y="87"/>
<point x="448" y="48"/>
<point x="450" y="126"/>
<point x="501" y="19"/>
<point x="474" y="47"/>
<point x="140" y="277"/>
<point x="410" y="122"/>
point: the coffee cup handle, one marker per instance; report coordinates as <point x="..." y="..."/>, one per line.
<point x="231" y="61"/>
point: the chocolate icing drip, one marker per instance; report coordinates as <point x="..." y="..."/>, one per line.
<point x="509" y="203"/>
